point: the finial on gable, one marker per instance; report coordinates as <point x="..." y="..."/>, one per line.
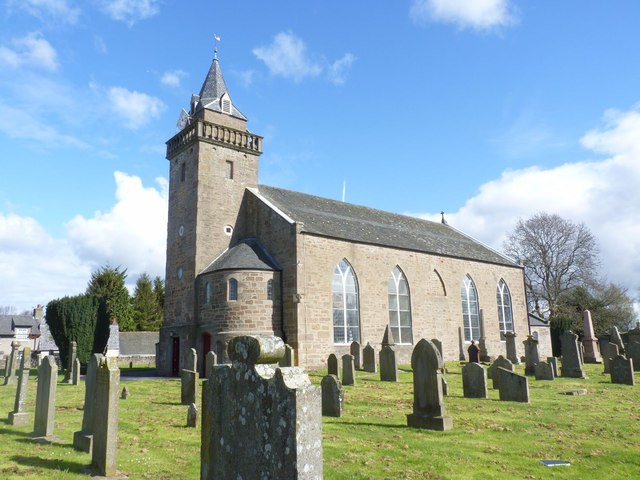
<point x="444" y="222"/>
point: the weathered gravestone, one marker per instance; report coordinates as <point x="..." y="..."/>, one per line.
<point x="355" y="350"/>
<point x="191" y="360"/>
<point x="474" y="381"/>
<point x="483" y="355"/>
<point x="438" y="345"/>
<point x="553" y="361"/>
<point x="622" y="370"/>
<point x="590" y="342"/>
<point x="544" y="371"/>
<point x="634" y="333"/>
<point x="499" y="362"/>
<point x="105" y="420"/>
<point x="271" y="414"/>
<point x="125" y="393"/>
<point x="189" y="379"/>
<point x="11" y="365"/>
<point x="387" y="338"/>
<point x="428" y="404"/>
<point x="211" y="360"/>
<point x="461" y="356"/>
<point x="332" y="365"/>
<point x="513" y="387"/>
<point x="46" y="399"/>
<point x="474" y="352"/>
<point x="369" y="359"/>
<point x="83" y="439"/>
<point x="531" y="355"/>
<point x="192" y="416"/>
<point x="388" y="365"/>
<point x="510" y="343"/>
<point x="332" y="396"/>
<point x="75" y="374"/>
<point x="288" y="358"/>
<point x="19" y="417"/>
<point x="571" y="358"/>
<point x="610" y="352"/>
<point x="348" y="370"/>
<point x="633" y="353"/>
<point x="71" y="361"/>
<point x="614" y="337"/>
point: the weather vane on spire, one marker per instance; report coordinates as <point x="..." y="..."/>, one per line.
<point x="216" y="38"/>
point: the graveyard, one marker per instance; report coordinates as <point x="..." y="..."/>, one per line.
<point x="588" y="422"/>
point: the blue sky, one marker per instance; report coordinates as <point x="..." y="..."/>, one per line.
<point x="490" y="110"/>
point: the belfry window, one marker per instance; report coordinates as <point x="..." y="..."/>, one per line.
<point x="183" y="171"/>
<point x="229" y="169"/>
<point x="470" y="310"/>
<point x="346" y="305"/>
<point x="505" y="315"/>
<point x="399" y="307"/>
<point x="269" y="289"/>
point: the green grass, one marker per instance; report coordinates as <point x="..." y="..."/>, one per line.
<point x="598" y="433"/>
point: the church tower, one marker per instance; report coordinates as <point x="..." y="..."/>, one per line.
<point x="213" y="159"/>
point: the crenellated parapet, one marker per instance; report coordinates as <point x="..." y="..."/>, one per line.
<point x="216" y="134"/>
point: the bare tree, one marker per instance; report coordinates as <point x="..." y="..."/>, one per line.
<point x="558" y="255"/>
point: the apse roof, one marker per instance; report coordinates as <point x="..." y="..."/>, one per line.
<point x="247" y="254"/>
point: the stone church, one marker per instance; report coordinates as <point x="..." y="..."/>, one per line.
<point x="246" y="258"/>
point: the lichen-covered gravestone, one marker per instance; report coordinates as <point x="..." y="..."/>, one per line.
<point x="571" y="356"/>
<point x="332" y="396"/>
<point x="11" y="365"/>
<point x="513" y="387"/>
<point x="260" y="421"/>
<point x="288" y="358"/>
<point x="499" y="362"/>
<point x="474" y="381"/>
<point x="83" y="439"/>
<point x="189" y="379"/>
<point x="544" y="371"/>
<point x="105" y="426"/>
<point x="388" y="365"/>
<point x="369" y="359"/>
<point x="622" y="370"/>
<point x="332" y="365"/>
<point x="428" y="404"/>
<point x="355" y="350"/>
<point x="19" y="416"/>
<point x="46" y="399"/>
<point x="348" y="370"/>
<point x="610" y="351"/>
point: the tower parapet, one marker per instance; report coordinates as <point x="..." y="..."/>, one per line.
<point x="216" y="134"/>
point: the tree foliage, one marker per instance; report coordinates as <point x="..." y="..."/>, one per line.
<point x="146" y="311"/>
<point x="108" y="284"/>
<point x="82" y="319"/>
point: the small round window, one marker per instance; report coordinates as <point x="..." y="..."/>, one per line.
<point x="181" y="230"/>
<point x="180" y="273"/>
<point x="228" y="230"/>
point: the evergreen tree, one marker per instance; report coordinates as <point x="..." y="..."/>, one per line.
<point x="108" y="284"/>
<point x="158" y="290"/>
<point x="145" y="305"/>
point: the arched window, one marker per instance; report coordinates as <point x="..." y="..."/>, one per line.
<point x="470" y="311"/>
<point x="233" y="290"/>
<point x="399" y="307"/>
<point x="505" y="316"/>
<point x="270" y="289"/>
<point x="207" y="293"/>
<point x="346" y="305"/>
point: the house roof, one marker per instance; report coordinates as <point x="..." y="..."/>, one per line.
<point x="213" y="89"/>
<point x="247" y="254"/>
<point x="8" y="323"/>
<point x="331" y="218"/>
<point x="536" y="321"/>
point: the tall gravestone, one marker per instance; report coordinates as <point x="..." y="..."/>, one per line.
<point x="71" y="361"/>
<point x="348" y="370"/>
<point x="622" y="370"/>
<point x="355" y="350"/>
<point x="189" y="379"/>
<point x="19" y="417"/>
<point x="461" y="356"/>
<point x="513" y="387"/>
<point x="288" y="358"/>
<point x="531" y="355"/>
<point x="590" y="342"/>
<point x="483" y="353"/>
<point x="571" y="358"/>
<point x="83" y="439"/>
<point x="428" y="404"/>
<point x="75" y="374"/>
<point x="610" y="351"/>
<point x="510" y="343"/>
<point x="105" y="421"/>
<point x="273" y="414"/>
<point x="499" y="362"/>
<point x="633" y="353"/>
<point x="388" y="365"/>
<point x="332" y="365"/>
<point x="474" y="381"/>
<point x="46" y="399"/>
<point x="614" y="337"/>
<point x="12" y="364"/>
<point x="369" y="359"/>
<point x="332" y="396"/>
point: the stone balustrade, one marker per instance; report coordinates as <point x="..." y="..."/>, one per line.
<point x="213" y="133"/>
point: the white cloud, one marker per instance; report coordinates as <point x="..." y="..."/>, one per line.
<point x="48" y="10"/>
<point x="337" y="70"/>
<point x="288" y="58"/>
<point x="173" y="78"/>
<point x="604" y="194"/>
<point x="135" y="108"/>
<point x="476" y="14"/>
<point x="130" y="11"/>
<point x="30" y="50"/>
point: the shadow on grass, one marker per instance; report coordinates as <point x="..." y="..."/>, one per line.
<point x="50" y="464"/>
<point x="167" y="403"/>
<point x="57" y="443"/>
<point x="9" y="431"/>
<point x="370" y="424"/>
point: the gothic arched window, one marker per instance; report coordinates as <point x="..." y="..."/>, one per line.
<point x="232" y="290"/>
<point x="505" y="316"/>
<point x="399" y="307"/>
<point x="346" y="305"/>
<point x="270" y="289"/>
<point x="470" y="310"/>
<point x="207" y="293"/>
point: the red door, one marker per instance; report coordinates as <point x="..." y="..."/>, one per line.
<point x="206" y="348"/>
<point x="175" y="357"/>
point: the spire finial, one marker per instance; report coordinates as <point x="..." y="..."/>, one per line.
<point x="216" y="38"/>
<point x="444" y="222"/>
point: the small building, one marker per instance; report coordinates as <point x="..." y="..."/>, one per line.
<point x="541" y="331"/>
<point x="138" y="348"/>
<point x="23" y="328"/>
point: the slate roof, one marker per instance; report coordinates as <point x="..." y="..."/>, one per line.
<point x="9" y="322"/>
<point x="247" y="254"/>
<point x="334" y="219"/>
<point x="213" y="88"/>
<point x="536" y="321"/>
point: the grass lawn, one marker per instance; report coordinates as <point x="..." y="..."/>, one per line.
<point x="599" y="433"/>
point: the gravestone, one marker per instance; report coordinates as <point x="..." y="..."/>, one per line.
<point x="211" y="360"/>
<point x="544" y="371"/>
<point x="83" y="439"/>
<point x="498" y="363"/>
<point x="474" y="352"/>
<point x="388" y="365"/>
<point x="590" y="342"/>
<point x="387" y="338"/>
<point x="273" y="414"/>
<point x="105" y="420"/>
<point x="513" y="387"/>
<point x="19" y="417"/>
<point x="438" y="345"/>
<point x="633" y="353"/>
<point x="355" y="350"/>
<point x="348" y="370"/>
<point x="571" y="359"/>
<point x="332" y="365"/>
<point x="531" y="355"/>
<point x="288" y="358"/>
<point x="46" y="399"/>
<point x="474" y="381"/>
<point x="634" y="334"/>
<point x="191" y="362"/>
<point x="622" y="370"/>
<point x="125" y="393"/>
<point x="75" y="374"/>
<point x="614" y="337"/>
<point x="610" y="352"/>
<point x="510" y="343"/>
<point x="553" y="361"/>
<point x="71" y="361"/>
<point x="428" y="404"/>
<point x="11" y="365"/>
<point x="483" y="355"/>
<point x="332" y="397"/>
<point x="188" y="386"/>
<point x="192" y="416"/>
<point x="461" y="356"/>
<point x="369" y="359"/>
